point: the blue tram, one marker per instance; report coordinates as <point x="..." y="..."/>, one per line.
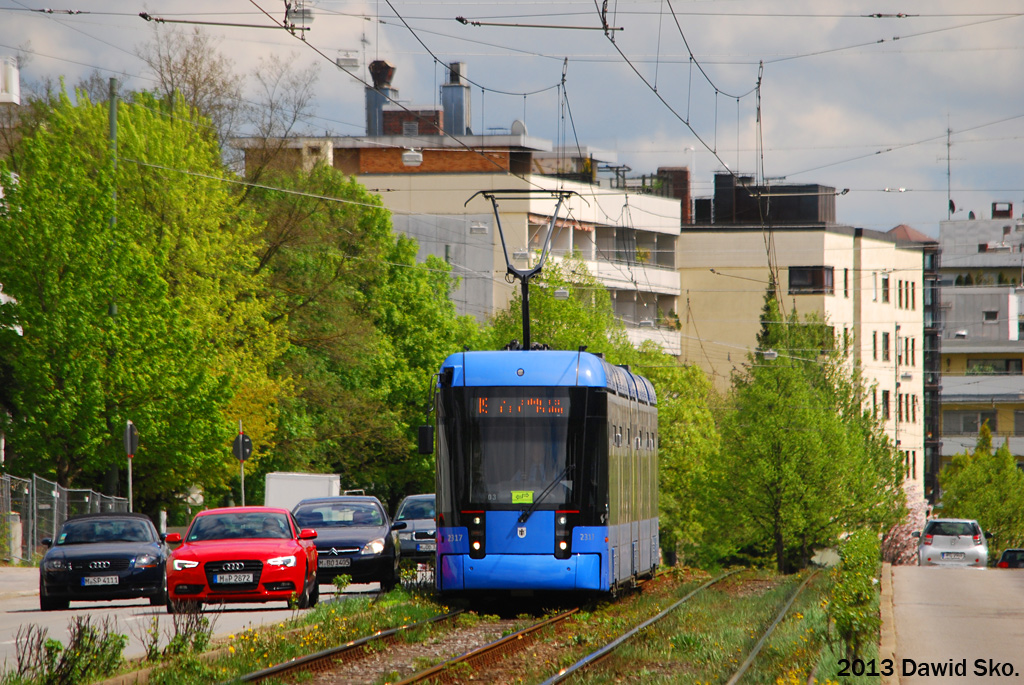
<point x="547" y="473"/>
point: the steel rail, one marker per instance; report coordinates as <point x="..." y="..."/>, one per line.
<point x="324" y="659"/>
<point x="487" y="653"/>
<point x="760" y="643"/>
<point x="601" y="653"/>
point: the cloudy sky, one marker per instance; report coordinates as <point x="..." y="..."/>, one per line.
<point x="880" y="97"/>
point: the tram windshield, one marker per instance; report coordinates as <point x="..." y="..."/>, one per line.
<point x="519" y="445"/>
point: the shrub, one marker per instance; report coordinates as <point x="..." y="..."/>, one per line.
<point x="853" y="606"/>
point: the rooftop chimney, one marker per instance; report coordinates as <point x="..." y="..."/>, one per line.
<point x="455" y="100"/>
<point x="1002" y="210"/>
<point x="381" y="94"/>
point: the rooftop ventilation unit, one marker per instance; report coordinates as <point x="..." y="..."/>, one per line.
<point x="10" y="84"/>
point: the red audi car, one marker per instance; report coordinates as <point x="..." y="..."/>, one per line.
<point x="243" y="554"/>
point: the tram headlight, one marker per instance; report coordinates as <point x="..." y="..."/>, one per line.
<point x="476" y="544"/>
<point x="563" y="545"/>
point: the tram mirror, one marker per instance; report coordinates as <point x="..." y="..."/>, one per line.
<point x="426" y="439"/>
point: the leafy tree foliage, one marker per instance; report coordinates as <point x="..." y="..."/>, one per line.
<point x="368" y="327"/>
<point x="801" y="460"/>
<point x="987" y="485"/>
<point x="143" y="308"/>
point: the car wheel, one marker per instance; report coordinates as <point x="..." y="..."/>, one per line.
<point x="50" y="604"/>
<point x="161" y="596"/>
<point x="389" y="584"/>
<point x="304" y="598"/>
<point x="314" y="594"/>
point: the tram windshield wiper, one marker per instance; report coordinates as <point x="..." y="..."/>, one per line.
<point x="533" y="507"/>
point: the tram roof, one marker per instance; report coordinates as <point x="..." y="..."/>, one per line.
<point x="541" y="368"/>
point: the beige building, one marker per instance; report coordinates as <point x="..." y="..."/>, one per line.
<point x="867" y="285"/>
<point x="429" y="177"/>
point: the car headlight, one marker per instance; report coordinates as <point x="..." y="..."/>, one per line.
<point x="55" y="565"/>
<point x="286" y="562"/>
<point x="146" y="561"/>
<point x="373" y="547"/>
<point x="182" y="564"/>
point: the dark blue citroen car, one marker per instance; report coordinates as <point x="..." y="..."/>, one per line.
<point x="103" y="557"/>
<point x="355" y="537"/>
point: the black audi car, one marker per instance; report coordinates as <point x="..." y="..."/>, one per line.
<point x="354" y="537"/>
<point x="103" y="557"/>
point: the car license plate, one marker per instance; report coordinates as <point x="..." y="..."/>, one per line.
<point x="233" y="578"/>
<point x="334" y="563"/>
<point x="99" y="580"/>
<point x="952" y="555"/>
<point x="426" y="547"/>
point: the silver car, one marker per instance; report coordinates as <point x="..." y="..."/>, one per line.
<point x="419" y="539"/>
<point x="951" y="542"/>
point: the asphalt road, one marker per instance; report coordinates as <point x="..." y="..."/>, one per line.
<point x="19" y="609"/>
<point x="955" y="625"/>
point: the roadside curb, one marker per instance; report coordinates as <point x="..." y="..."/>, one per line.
<point x="887" y="640"/>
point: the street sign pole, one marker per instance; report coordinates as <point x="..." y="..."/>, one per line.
<point x="242" y="447"/>
<point x="241" y="464"/>
<point x="131" y="443"/>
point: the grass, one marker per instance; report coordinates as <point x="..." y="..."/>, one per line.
<point x="327" y="625"/>
<point x="704" y="640"/>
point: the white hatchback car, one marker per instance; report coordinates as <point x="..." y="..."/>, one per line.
<point x="951" y="542"/>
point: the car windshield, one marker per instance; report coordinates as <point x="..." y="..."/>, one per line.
<point x="86" y="531"/>
<point x="416" y="509"/>
<point x="236" y="526"/>
<point x="338" y="515"/>
<point x="950" y="528"/>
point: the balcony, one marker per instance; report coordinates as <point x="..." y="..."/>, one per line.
<point x="669" y="339"/>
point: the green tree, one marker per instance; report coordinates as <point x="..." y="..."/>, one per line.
<point x="143" y="308"/>
<point x="368" y="327"/>
<point x="986" y="485"/>
<point x="801" y="459"/>
<point x="585" y="317"/>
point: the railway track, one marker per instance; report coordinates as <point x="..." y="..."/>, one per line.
<point x="330" y="659"/>
<point x="485" y="656"/>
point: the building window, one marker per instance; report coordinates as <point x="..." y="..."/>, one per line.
<point x="874" y="285"/>
<point x="846" y="283"/>
<point x="899" y="290"/>
<point x="885" y="287"/>
<point x="874" y="345"/>
<point x="913" y="295"/>
<point x="990" y="316"/>
<point x="899" y="406"/>
<point x="811" y="280"/>
<point x="969" y="422"/>
<point x="994" y="367"/>
<point x="1018" y="422"/>
<point x="885" y="346"/>
<point x="885" y="405"/>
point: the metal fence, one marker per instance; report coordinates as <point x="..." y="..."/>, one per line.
<point x="36" y="508"/>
